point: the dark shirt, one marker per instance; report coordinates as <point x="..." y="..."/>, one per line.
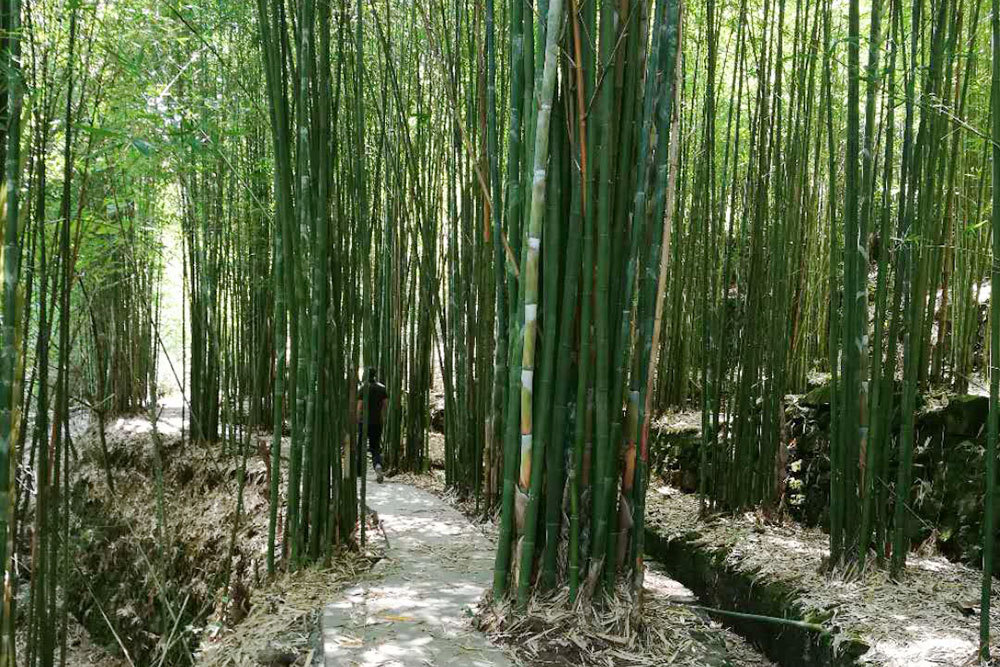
<point x="376" y="394"/>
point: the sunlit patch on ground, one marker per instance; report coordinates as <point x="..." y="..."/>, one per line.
<point x="417" y="611"/>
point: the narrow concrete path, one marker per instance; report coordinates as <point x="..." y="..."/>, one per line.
<point x="418" y="611"/>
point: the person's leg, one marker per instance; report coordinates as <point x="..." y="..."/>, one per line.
<point x="375" y="446"/>
<point x="360" y="451"/>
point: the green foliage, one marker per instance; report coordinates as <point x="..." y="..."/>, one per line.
<point x="563" y="218"/>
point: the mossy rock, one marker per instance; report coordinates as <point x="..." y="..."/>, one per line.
<point x="851" y="648"/>
<point x="818" y="397"/>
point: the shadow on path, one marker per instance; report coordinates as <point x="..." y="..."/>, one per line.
<point x="418" y="612"/>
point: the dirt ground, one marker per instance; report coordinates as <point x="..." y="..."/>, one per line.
<point x="137" y="594"/>
<point x="129" y="576"/>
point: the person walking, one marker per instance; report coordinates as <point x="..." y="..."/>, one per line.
<point x="378" y="405"/>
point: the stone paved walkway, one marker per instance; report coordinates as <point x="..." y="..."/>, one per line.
<point x="418" y="611"/>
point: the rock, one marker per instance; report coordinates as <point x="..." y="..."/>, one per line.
<point x="677" y="456"/>
<point x="852" y="648"/>
<point x="949" y="442"/>
<point x="966" y="415"/>
<point x="818" y="397"/>
<point x="967" y="607"/>
<point x="277" y="656"/>
<point x="437" y="417"/>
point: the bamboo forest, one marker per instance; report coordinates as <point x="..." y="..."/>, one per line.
<point x="482" y="333"/>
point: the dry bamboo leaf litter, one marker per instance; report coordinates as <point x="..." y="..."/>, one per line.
<point x="283" y="615"/>
<point x="200" y="490"/>
<point x="551" y="632"/>
<point x="554" y="634"/>
<point x="923" y="620"/>
<point x="918" y="621"/>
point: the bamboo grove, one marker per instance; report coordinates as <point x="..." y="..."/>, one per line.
<point x="590" y="222"/>
<point x="556" y="219"/>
